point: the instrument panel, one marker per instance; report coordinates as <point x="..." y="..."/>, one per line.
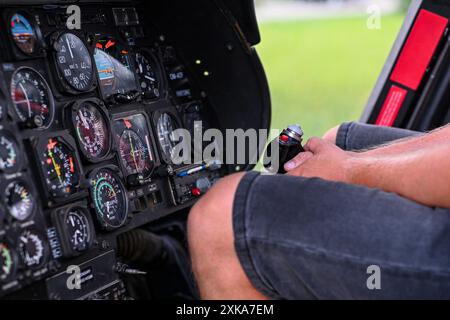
<point x="86" y="140"/>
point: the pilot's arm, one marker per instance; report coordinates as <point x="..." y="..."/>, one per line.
<point x="417" y="168"/>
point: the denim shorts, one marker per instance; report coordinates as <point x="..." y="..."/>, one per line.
<point x="299" y="238"/>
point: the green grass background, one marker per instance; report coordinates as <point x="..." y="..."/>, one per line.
<point x="321" y="72"/>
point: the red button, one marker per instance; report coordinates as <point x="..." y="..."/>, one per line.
<point x="284" y="138"/>
<point x="196" y="192"/>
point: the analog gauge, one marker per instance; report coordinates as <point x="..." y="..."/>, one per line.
<point x="7" y="262"/>
<point x="116" y="71"/>
<point x="19" y="200"/>
<point x="92" y="130"/>
<point x="23" y="34"/>
<point x="109" y="198"/>
<point x="32" y="98"/>
<point x="165" y="127"/>
<point x="77" y="229"/>
<point x="32" y="249"/>
<point x="134" y="145"/>
<point x="133" y="152"/>
<point x="9" y="152"/>
<point x="148" y="77"/>
<point x="74" y="61"/>
<point x="60" y="168"/>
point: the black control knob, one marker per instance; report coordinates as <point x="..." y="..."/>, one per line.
<point x="289" y="144"/>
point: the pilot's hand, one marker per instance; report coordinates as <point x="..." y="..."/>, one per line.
<point x="322" y="159"/>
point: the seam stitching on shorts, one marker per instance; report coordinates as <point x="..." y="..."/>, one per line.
<point x="247" y="241"/>
<point x="342" y="135"/>
<point x="347" y="135"/>
<point x="394" y="269"/>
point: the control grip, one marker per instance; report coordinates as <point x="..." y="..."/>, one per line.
<point x="287" y="153"/>
<point x="289" y="144"/>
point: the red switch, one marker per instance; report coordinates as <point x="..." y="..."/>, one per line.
<point x="196" y="192"/>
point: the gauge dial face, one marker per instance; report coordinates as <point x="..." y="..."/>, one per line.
<point x="19" y="200"/>
<point x="134" y="145"/>
<point x="148" y="77"/>
<point x="32" y="249"/>
<point x="7" y="262"/>
<point x="92" y="130"/>
<point x="74" y="61"/>
<point x="115" y="68"/>
<point x="165" y="127"/>
<point x="60" y="167"/>
<point x="78" y="229"/>
<point x="110" y="201"/>
<point x="32" y="98"/>
<point x="105" y="69"/>
<point x="116" y="51"/>
<point x="9" y="152"/>
<point x="23" y="34"/>
<point x="133" y="152"/>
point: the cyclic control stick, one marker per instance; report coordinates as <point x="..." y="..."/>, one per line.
<point x="289" y="144"/>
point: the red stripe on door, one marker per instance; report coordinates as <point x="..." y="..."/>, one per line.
<point x="391" y="106"/>
<point x="419" y="49"/>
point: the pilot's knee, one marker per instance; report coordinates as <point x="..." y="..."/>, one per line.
<point x="331" y="134"/>
<point x="216" y="202"/>
<point x="210" y="220"/>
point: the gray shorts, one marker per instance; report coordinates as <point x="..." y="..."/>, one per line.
<point x="299" y="238"/>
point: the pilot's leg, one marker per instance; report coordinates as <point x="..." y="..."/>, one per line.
<point x="288" y="237"/>
<point x="215" y="263"/>
<point x="352" y="136"/>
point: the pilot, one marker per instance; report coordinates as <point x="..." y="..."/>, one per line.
<point x="364" y="213"/>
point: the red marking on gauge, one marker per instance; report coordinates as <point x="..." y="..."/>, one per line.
<point x="109" y="44"/>
<point x="51" y="144"/>
<point x="127" y="123"/>
<point x="99" y="45"/>
<point x="72" y="167"/>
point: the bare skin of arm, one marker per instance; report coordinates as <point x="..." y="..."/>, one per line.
<point x="417" y="168"/>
